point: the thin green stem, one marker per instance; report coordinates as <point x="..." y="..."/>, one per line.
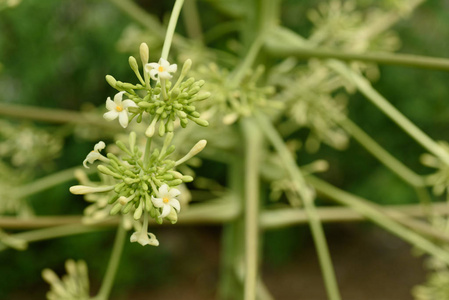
<point x="147" y="151"/>
<point x="315" y="225"/>
<point x="381" y="154"/>
<point x="113" y="264"/>
<point x="171" y="28"/>
<point x="46" y="182"/>
<point x="252" y="160"/>
<point x="53" y="232"/>
<point x="407" y="60"/>
<point x="377" y="99"/>
<point x="369" y="211"/>
<point x="58" y="116"/>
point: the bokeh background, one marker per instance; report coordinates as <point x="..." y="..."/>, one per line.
<point x="55" y="54"/>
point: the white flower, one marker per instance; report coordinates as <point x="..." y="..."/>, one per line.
<point x="95" y="154"/>
<point x="118" y="108"/>
<point x="166" y="200"/>
<point x="144" y="238"/>
<point x="161" y="69"/>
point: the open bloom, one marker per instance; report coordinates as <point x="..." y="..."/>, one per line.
<point x="95" y="154"/>
<point x="118" y="108"/>
<point x="162" y="69"/>
<point x="144" y="237"/>
<point x="166" y="200"/>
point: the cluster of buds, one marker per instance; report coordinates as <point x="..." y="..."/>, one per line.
<point x="141" y="186"/>
<point x="142" y="183"/>
<point x="232" y="102"/>
<point x="164" y="102"/>
<point x="73" y="285"/>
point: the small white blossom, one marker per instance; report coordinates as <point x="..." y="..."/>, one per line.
<point x="161" y="69"/>
<point x="166" y="199"/>
<point x="118" y="108"/>
<point x="144" y="238"/>
<point x="95" y="154"/>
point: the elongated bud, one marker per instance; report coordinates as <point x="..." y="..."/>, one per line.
<point x="144" y="53"/>
<point x="194" y="151"/>
<point x="83" y="189"/>
<point x="111" y="80"/>
<point x="133" y="64"/>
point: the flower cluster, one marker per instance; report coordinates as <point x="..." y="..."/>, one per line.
<point x="74" y="285"/>
<point x="143" y="182"/>
<point x="439" y="180"/>
<point x="136" y="184"/>
<point x="231" y="102"/>
<point x="164" y="102"/>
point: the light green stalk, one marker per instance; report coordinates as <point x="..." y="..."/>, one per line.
<point x="364" y="86"/>
<point x="381" y="154"/>
<point x="370" y="212"/>
<point x="47" y="182"/>
<point x="114" y="261"/>
<point x="53" y="232"/>
<point x="171" y="28"/>
<point x="252" y="161"/>
<point x="315" y="225"/>
<point x="407" y="60"/>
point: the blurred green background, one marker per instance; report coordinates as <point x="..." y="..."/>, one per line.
<point x="55" y="54"/>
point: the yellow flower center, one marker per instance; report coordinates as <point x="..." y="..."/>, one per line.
<point x="161" y="69"/>
<point x="165" y="200"/>
<point x="118" y="108"/>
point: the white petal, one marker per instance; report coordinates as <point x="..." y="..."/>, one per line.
<point x="111" y="115"/>
<point x="172" y="68"/>
<point x="164" y="63"/>
<point x="118" y="98"/>
<point x="153" y="74"/>
<point x="128" y="103"/>
<point x="175" y="204"/>
<point x="164" y="75"/>
<point x="158" y="202"/>
<point x="110" y="105"/>
<point x="85" y="163"/>
<point x="92" y="156"/>
<point x="99" y="146"/>
<point x="163" y="190"/>
<point x="174" y="192"/>
<point x="165" y="211"/>
<point x="150" y="66"/>
<point x="123" y="118"/>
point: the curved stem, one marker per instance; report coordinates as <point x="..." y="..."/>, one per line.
<point x="369" y="211"/>
<point x="47" y="182"/>
<point x="434" y="63"/>
<point x="381" y="154"/>
<point x="327" y="268"/>
<point x="377" y="99"/>
<point x="171" y="28"/>
<point x="53" y="232"/>
<point x="252" y="161"/>
<point x="114" y="261"/>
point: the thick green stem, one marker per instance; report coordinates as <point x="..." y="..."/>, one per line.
<point x="315" y="225"/>
<point x="369" y="211"/>
<point x="171" y="28"/>
<point x="381" y="154"/>
<point x="252" y="160"/>
<point x="114" y="261"/>
<point x="377" y="99"/>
